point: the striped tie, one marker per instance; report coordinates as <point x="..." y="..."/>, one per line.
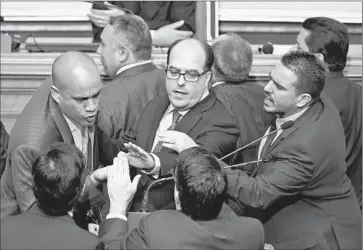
<point x="176" y="117"/>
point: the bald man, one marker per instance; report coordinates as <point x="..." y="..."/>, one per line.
<point x="64" y="109"/>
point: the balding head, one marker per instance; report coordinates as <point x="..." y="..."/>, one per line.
<point x="233" y="58"/>
<point x="77" y="85"/>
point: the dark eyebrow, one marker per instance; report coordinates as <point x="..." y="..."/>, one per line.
<point x="276" y="82"/>
<point x="87" y="97"/>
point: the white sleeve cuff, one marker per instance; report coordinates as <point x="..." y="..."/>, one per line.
<point x="94" y="180"/>
<point x="114" y="215"/>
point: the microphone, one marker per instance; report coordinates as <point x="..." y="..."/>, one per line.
<point x="267" y="159"/>
<point x="146" y="194"/>
<point x="285" y="125"/>
<point x="267" y="48"/>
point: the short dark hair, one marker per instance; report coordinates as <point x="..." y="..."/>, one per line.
<point x="330" y="38"/>
<point x="209" y="56"/>
<point x="309" y="70"/>
<point x="233" y="58"/>
<point x="58" y="176"/>
<point x="201" y="183"/>
<point x="133" y="29"/>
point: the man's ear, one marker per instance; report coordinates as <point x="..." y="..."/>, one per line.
<point x="55" y="93"/>
<point x="122" y="54"/>
<point x="304" y="99"/>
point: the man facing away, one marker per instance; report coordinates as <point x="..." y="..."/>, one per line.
<point x="125" y="51"/>
<point x="64" y="109"/>
<point x="58" y="176"/>
<point x="202" y="220"/>
<point x="329" y="40"/>
<point x="232" y="64"/>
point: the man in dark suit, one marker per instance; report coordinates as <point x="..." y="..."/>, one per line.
<point x="188" y="109"/>
<point x="167" y="20"/>
<point x="302" y="194"/>
<point x="58" y="179"/>
<point x="126" y="57"/>
<point x="232" y="64"/>
<point x="201" y="222"/>
<point x="329" y="40"/>
<point x="63" y="110"/>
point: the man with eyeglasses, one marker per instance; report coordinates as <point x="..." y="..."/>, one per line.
<point x="188" y="110"/>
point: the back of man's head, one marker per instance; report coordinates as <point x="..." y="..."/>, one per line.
<point x="132" y="32"/>
<point x="232" y="58"/>
<point x="330" y="38"/>
<point x="201" y="184"/>
<point x="58" y="179"/>
<point x="308" y="69"/>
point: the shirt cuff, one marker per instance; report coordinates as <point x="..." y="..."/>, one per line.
<point x="96" y="183"/>
<point x="115" y="215"/>
<point x="156" y="170"/>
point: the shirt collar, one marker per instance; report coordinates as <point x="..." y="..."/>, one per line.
<point x="280" y="121"/>
<point x="217" y="83"/>
<point x="71" y="125"/>
<point x="171" y="107"/>
<point x="131" y="65"/>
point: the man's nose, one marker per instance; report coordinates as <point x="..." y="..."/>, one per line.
<point x="180" y="81"/>
<point x="91" y="105"/>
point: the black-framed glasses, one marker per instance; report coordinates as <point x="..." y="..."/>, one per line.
<point x="188" y="76"/>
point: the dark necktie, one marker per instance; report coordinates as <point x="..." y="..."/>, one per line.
<point x="89" y="155"/>
<point x="269" y="139"/>
<point x="176" y="117"/>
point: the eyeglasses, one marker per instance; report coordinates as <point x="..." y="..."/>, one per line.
<point x="188" y="76"/>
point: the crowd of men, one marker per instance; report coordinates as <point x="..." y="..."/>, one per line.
<point x="82" y="155"/>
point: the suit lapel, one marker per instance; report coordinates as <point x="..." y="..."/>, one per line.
<point x="309" y="113"/>
<point x="60" y="121"/>
<point x="157" y="114"/>
<point x="195" y="114"/>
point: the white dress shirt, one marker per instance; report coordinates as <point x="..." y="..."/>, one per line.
<point x="129" y="66"/>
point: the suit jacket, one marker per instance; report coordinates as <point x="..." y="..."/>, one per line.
<point x="36" y="230"/>
<point x="158" y="13"/>
<point x="40" y="125"/>
<point x="170" y="229"/>
<point x="347" y="98"/>
<point x="305" y="198"/>
<point x="123" y="100"/>
<point x="208" y="123"/>
<point x="4" y="141"/>
<point x="245" y="102"/>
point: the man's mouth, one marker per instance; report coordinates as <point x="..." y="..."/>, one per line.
<point x="179" y="93"/>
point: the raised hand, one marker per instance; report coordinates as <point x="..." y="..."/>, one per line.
<point x="177" y="141"/>
<point x="138" y="157"/>
<point x="120" y="188"/>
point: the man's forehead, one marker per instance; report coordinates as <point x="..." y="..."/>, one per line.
<point x="282" y="74"/>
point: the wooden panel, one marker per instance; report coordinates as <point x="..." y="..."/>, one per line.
<point x="22" y="74"/>
<point x="280" y="22"/>
<point x="346" y="12"/>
